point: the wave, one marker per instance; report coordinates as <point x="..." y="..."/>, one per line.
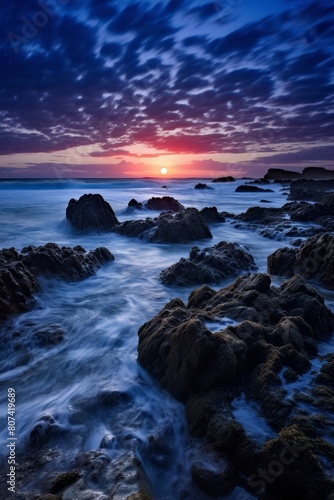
<point x="44" y="184"/>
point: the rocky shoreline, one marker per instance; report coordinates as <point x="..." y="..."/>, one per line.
<point x="271" y="342"/>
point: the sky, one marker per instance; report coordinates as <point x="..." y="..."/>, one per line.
<point x="96" y="88"/>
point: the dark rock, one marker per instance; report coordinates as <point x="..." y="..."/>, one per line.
<point x="136" y="228"/>
<point x="314" y="259"/>
<point x="259" y="181"/>
<point x="17" y="284"/>
<point x="265" y="201"/>
<point x="45" y="429"/>
<point x="280" y="174"/>
<point x="187" y="225"/>
<point x="289" y="468"/>
<point x="303" y="211"/>
<point x="48" y="336"/>
<point x="311" y="190"/>
<point x="282" y="262"/>
<point x="290" y="375"/>
<point x="166" y="203"/>
<point x="91" y="212"/>
<point x="135" y="204"/>
<point x="261" y="214"/>
<point x="202" y="186"/>
<point x="211" y="215"/>
<point x="246" y="188"/>
<point x="67" y="263"/>
<point x="164" y="187"/>
<point x="209" y="265"/>
<point x="228" y="178"/>
<point x="215" y="477"/>
<point x="64" y="480"/>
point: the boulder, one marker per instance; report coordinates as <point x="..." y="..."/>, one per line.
<point x="281" y="174"/>
<point x="209" y="265"/>
<point x="311" y="190"/>
<point x="211" y="215"/>
<point x="247" y="188"/>
<point x="166" y="203"/>
<point x="135" y="204"/>
<point x="91" y="213"/>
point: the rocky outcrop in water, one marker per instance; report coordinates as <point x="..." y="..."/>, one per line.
<point x="307" y="173"/>
<point x="211" y="215"/>
<point x="181" y="227"/>
<point x="313" y="260"/>
<point x="228" y="178"/>
<point x="134" y="204"/>
<point x="19" y="271"/>
<point x="200" y="185"/>
<point x="209" y="265"/>
<point x="247" y="188"/>
<point x="91" y="213"/>
<point x="277" y="330"/>
<point x="166" y="203"/>
<point x="311" y="190"/>
<point x="17" y="284"/>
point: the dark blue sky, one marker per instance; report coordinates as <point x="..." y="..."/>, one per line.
<point x="124" y="87"/>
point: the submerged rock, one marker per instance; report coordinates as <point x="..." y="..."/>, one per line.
<point x="211" y="215"/>
<point x="314" y="259"/>
<point x="91" y="213"/>
<point x="135" y="204"/>
<point x="209" y="265"/>
<point x="202" y="186"/>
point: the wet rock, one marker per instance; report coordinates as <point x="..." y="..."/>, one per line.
<point x="166" y="203"/>
<point x="17" y="284"/>
<point x="91" y="213"/>
<point x="108" y="442"/>
<point x="281" y="174"/>
<point x="290" y="375"/>
<point x="138" y="496"/>
<point x="313" y="260"/>
<point x="44" y="429"/>
<point x="187" y="225"/>
<point x="136" y="228"/>
<point x="289" y="468"/>
<point x="326" y="375"/>
<point x="135" y="204"/>
<point x="228" y="178"/>
<point x="49" y="496"/>
<point x="260" y="214"/>
<point x="247" y="188"/>
<point x="70" y="264"/>
<point x="214" y="476"/>
<point x="211" y="215"/>
<point x="311" y="190"/>
<point x="209" y="265"/>
<point x="48" y="336"/>
<point x="302" y="211"/>
<point x="202" y="186"/>
<point x="64" y="480"/>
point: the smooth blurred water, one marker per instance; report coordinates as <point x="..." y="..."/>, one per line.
<point x="101" y="316"/>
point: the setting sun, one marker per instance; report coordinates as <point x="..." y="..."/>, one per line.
<point x="164" y="171"/>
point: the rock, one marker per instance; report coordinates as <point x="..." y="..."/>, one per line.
<point x="48" y="336"/>
<point x="136" y="228"/>
<point x="138" y="496"/>
<point x="311" y="190"/>
<point x="213" y="476"/>
<point x="91" y="213"/>
<point x="282" y="262"/>
<point x="49" y="496"/>
<point x="17" y="284"/>
<point x="187" y="225"/>
<point x="313" y="260"/>
<point x="44" y="430"/>
<point x="70" y="264"/>
<point x="135" y="204"/>
<point x="64" y="480"/>
<point x="289" y="468"/>
<point x="202" y="186"/>
<point x="265" y="201"/>
<point x="210" y="265"/>
<point x="164" y="187"/>
<point x="166" y="203"/>
<point x="260" y="214"/>
<point x="228" y="178"/>
<point x="246" y="188"/>
<point x="290" y="375"/>
<point x="280" y="174"/>
<point x="211" y="215"/>
<point x="303" y="211"/>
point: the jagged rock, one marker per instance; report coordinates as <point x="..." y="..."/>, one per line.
<point x="281" y="174"/>
<point x="135" y="204"/>
<point x="64" y="480"/>
<point x="260" y="214"/>
<point x="303" y="211"/>
<point x="17" y="284"/>
<point x="210" y="265"/>
<point x="314" y="259"/>
<point x="211" y="215"/>
<point x="187" y="225"/>
<point x="228" y="178"/>
<point x="67" y="263"/>
<point x="136" y="228"/>
<point x="247" y="188"/>
<point x="19" y="271"/>
<point x="214" y="476"/>
<point x="91" y="212"/>
<point x="303" y="189"/>
<point x="166" y="203"/>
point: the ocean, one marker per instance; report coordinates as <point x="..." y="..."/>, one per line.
<point x="101" y="317"/>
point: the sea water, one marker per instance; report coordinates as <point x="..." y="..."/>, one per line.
<point x="100" y="317"/>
